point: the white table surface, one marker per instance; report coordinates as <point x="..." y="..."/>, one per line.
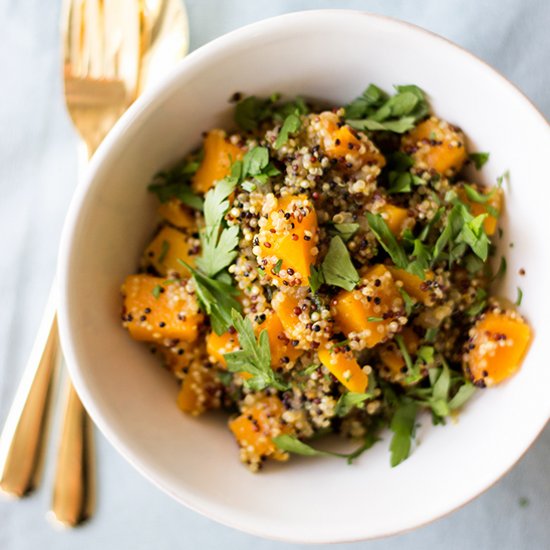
<point x="37" y="174"/>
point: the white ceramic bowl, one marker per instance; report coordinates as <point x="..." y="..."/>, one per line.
<point x="330" y="55"/>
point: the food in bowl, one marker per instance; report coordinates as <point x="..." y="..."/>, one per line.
<point x="320" y="271"/>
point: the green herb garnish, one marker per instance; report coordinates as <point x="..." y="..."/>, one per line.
<point x="217" y="298"/>
<point x="291" y="125"/>
<point x="254" y="357"/>
<point x="165" y="247"/>
<point x="387" y="240"/>
<point x="374" y="111"/>
<point x="520" y="297"/>
<point x="292" y="444"/>
<point x="157" y="291"/>
<point x="479" y="159"/>
<point x="403" y="427"/>
<point x="175" y="183"/>
<point x="337" y="267"/>
<point x="346" y="230"/>
<point x="350" y="400"/>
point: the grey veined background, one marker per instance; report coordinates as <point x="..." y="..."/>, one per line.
<point x="37" y="175"/>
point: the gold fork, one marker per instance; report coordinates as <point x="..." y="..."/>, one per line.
<point x="112" y="51"/>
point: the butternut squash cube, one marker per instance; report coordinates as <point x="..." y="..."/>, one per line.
<point x="218" y="345"/>
<point x="435" y="144"/>
<point x="169" y="246"/>
<point x="201" y="390"/>
<point x="288" y="241"/>
<point x="340" y="141"/>
<point x="497" y="345"/>
<point x="175" y="212"/>
<point x="344" y="367"/>
<point x="219" y="155"/>
<point x="395" y="218"/>
<point x="173" y="315"/>
<point x="282" y="351"/>
<point x="414" y="286"/>
<point x="255" y="428"/>
<point x="376" y="298"/>
<point x="290" y="308"/>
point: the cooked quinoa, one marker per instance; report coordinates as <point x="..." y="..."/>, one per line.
<point x="326" y="270"/>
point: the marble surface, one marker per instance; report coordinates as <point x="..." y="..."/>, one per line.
<point x="37" y="175"/>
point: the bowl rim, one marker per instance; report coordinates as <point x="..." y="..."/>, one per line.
<point x="114" y="141"/>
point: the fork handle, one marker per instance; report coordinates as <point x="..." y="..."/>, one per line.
<point x="74" y="484"/>
<point x="22" y="442"/>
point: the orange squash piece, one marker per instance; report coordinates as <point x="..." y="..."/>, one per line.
<point x="169" y="246"/>
<point x="391" y="355"/>
<point x="173" y="315"/>
<point x="288" y="241"/>
<point x="200" y="390"/>
<point x="175" y="212"/>
<point x="435" y="144"/>
<point x="395" y="218"/>
<point x="478" y="208"/>
<point x="340" y="141"/>
<point x="282" y="351"/>
<point x="345" y="368"/>
<point x="178" y="357"/>
<point x="414" y="286"/>
<point x="218" y="345"/>
<point x="287" y="306"/>
<point x="376" y="297"/>
<point x="219" y="155"/>
<point x="255" y="428"/>
<point x="497" y="345"/>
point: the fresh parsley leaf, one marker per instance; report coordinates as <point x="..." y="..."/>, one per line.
<point x="372" y="98"/>
<point x="349" y="400"/>
<point x="277" y="266"/>
<point x="479" y="304"/>
<point x="504" y="177"/>
<point x="291" y="125"/>
<point x="400" y="183"/>
<point x="292" y="444"/>
<point x="346" y="230"/>
<point x="217" y="299"/>
<point x="180" y="191"/>
<point x="254" y="161"/>
<point x="479" y="159"/>
<point x="174" y="183"/>
<point x="462" y="395"/>
<point x="217" y="244"/>
<point x="476" y="196"/>
<point x="404" y="352"/>
<point x="156" y="292"/>
<point x="473" y="234"/>
<point x="520" y="297"/>
<point x="316" y="279"/>
<point x="310" y="369"/>
<point x="398" y="113"/>
<point x="409" y="302"/>
<point x="375" y="319"/>
<point x="403" y="426"/>
<point x="387" y="240"/>
<point x="254" y="357"/>
<point x="252" y="110"/>
<point x="337" y="267"/>
<point x="165" y="247"/>
<point x="421" y="261"/>
<point x="431" y="334"/>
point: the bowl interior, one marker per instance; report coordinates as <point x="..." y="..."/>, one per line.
<point x="329" y="55"/>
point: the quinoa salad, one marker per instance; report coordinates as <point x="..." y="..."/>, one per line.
<point x="322" y="270"/>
